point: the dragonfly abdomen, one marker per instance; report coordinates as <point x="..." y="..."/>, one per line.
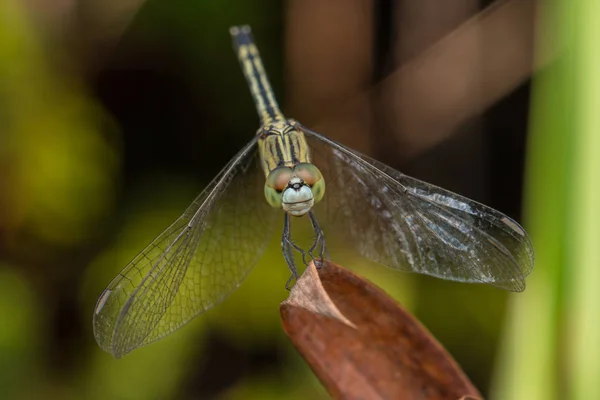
<point x="261" y="90"/>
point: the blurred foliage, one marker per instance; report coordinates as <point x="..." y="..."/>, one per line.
<point x="57" y="163"/>
<point x="549" y="349"/>
<point x="93" y="165"/>
<point x="20" y="335"/>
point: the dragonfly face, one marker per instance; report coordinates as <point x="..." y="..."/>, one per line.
<point x="295" y="189"/>
<point x="297" y="198"/>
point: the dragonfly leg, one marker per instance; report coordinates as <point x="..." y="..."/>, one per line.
<point x="319" y="242"/>
<point x="287" y="248"/>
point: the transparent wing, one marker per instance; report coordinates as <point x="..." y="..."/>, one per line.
<point x="413" y="226"/>
<point x="194" y="264"/>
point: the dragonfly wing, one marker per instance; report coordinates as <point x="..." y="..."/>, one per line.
<point x="413" y="226"/>
<point x="194" y="264"/>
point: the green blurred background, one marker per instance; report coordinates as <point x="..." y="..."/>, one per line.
<point x="115" y="114"/>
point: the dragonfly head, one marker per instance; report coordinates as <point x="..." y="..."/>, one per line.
<point x="296" y="189"/>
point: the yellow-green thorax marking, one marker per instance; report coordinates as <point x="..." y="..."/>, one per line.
<point x="282" y="145"/>
<point x="292" y="182"/>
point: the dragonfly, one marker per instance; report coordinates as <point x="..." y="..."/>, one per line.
<point x="384" y="215"/>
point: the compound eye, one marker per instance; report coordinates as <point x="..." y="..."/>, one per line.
<point x="276" y="183"/>
<point x="279" y="178"/>
<point x="311" y="175"/>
